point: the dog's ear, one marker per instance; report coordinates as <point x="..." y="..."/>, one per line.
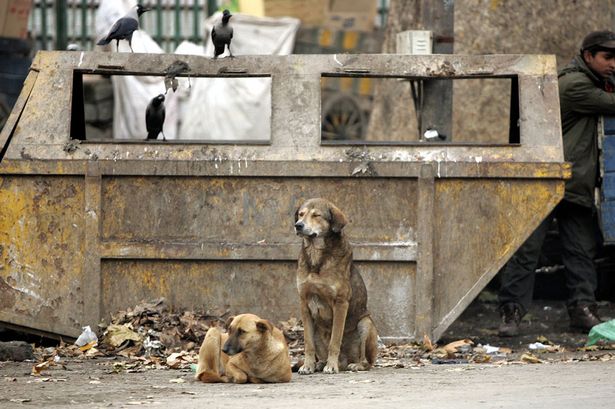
<point x="297" y="213"/>
<point x="338" y="219"/>
<point x="264" y="326"/>
<point x="227" y="323"/>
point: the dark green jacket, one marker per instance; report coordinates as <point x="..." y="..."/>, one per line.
<point x="582" y="100"/>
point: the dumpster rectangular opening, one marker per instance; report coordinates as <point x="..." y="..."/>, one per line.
<point x="350" y="103"/>
<point x="198" y="109"/>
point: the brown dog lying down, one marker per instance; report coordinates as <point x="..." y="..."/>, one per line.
<point x="337" y="325"/>
<point x="252" y="351"/>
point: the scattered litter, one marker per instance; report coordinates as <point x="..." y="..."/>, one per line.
<point x="438" y="361"/>
<point x="531" y="359"/>
<point x="537" y="346"/>
<point x="604" y="332"/>
<point x="462" y="346"/>
<point x="489" y="350"/>
<point x="177" y="380"/>
<point x="38" y="368"/>
<point x="120" y="335"/>
<point x="178" y="360"/>
<point x="427" y="344"/>
<point x="20" y="400"/>
<point x="87" y="339"/>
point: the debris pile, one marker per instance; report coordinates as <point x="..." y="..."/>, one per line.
<point x="152" y="336"/>
<point x="151" y="329"/>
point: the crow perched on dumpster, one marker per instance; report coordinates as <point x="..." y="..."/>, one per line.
<point x="222" y="34"/>
<point x="154" y="117"/>
<point x="124" y="27"/>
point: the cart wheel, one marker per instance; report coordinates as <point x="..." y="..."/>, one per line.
<point x="342" y="119"/>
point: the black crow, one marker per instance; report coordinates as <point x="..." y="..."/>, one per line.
<point x="222" y="34"/>
<point x="176" y="68"/>
<point x="154" y="117"/>
<point x="124" y="27"/>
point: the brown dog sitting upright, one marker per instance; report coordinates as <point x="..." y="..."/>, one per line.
<point x="252" y="351"/>
<point x="338" y="328"/>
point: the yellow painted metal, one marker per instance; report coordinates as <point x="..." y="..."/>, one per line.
<point x="89" y="228"/>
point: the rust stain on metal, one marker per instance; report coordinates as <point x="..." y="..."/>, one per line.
<point x="87" y="231"/>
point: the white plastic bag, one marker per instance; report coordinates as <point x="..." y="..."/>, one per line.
<point x="87" y="337"/>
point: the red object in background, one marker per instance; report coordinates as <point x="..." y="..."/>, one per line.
<point x="14" y="18"/>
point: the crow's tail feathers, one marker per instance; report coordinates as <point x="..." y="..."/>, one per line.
<point x="153" y="135"/>
<point x="103" y="41"/>
<point x="219" y="50"/>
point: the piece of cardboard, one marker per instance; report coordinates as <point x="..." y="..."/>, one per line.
<point x="14" y="15"/>
<point x="355" y="15"/>
<point x="311" y="13"/>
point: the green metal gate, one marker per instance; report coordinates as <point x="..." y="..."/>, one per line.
<point x="55" y="24"/>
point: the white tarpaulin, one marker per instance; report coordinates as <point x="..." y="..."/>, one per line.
<point x="212" y="108"/>
<point x="238" y="108"/>
<point x="131" y="94"/>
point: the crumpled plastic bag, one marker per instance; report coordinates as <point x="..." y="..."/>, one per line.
<point x="87" y="339"/>
<point x="601" y="332"/>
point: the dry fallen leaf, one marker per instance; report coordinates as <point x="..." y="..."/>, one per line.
<point x="455" y="346"/>
<point x="530" y="358"/>
<point x="427" y="344"/>
<point x="38" y="368"/>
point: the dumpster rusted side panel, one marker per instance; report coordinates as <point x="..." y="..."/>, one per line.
<point x="41" y="245"/>
<point x="477" y="229"/>
<point x="250" y="211"/>
<point x="104" y="225"/>
<point x="264" y="286"/>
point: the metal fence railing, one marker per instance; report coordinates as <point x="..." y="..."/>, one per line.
<point x="54" y="24"/>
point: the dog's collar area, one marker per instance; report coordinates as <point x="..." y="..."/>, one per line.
<point x="316" y="242"/>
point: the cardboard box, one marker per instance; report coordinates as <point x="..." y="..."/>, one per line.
<point x="357" y="15"/>
<point x="14" y="15"/>
<point x="311" y="13"/>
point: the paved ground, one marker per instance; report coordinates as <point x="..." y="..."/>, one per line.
<point x="92" y="384"/>
<point x="569" y="378"/>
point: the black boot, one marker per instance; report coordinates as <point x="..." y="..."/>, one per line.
<point x="511" y="318"/>
<point x="583" y="316"/>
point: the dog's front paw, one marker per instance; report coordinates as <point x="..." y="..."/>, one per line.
<point x="331" y="368"/>
<point x="354" y="367"/>
<point x="307" y="368"/>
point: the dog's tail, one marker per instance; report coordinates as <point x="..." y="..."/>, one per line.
<point x="209" y="368"/>
<point x="371" y="347"/>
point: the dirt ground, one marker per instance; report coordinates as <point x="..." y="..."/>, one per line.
<point x="93" y="384"/>
<point x="569" y="377"/>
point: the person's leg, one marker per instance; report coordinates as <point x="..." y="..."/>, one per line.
<point x="517" y="280"/>
<point x="577" y="227"/>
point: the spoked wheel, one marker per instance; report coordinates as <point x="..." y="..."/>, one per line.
<point x="342" y="119"/>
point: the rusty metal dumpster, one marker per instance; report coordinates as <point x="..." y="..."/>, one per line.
<point x="87" y="229"/>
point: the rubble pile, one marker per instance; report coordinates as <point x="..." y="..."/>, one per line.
<point x="152" y="329"/>
<point x="152" y="336"/>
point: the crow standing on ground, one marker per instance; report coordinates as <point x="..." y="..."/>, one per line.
<point x="154" y="117"/>
<point x="222" y="34"/>
<point x="124" y="27"/>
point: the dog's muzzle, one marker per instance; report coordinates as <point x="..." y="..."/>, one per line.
<point x="299" y="227"/>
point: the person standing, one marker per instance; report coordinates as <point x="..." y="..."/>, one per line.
<point x="586" y="88"/>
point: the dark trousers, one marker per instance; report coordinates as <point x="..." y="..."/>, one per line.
<point x="577" y="231"/>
